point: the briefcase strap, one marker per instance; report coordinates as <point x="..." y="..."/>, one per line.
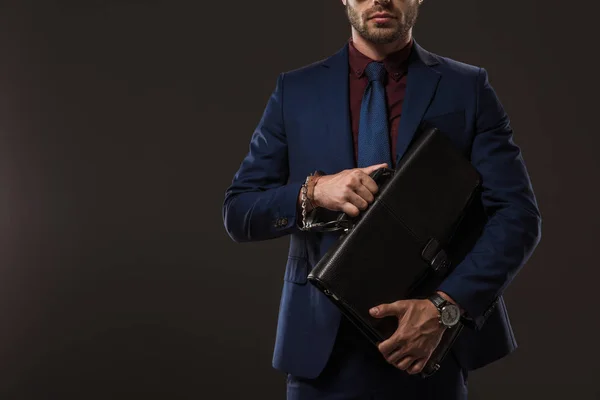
<point x="315" y="224"/>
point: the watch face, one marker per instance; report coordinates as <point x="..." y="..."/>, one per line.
<point x="450" y="315"/>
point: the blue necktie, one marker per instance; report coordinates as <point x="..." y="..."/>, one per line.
<point x="373" y="132"/>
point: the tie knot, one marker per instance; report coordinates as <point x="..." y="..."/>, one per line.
<point x="376" y="72"/>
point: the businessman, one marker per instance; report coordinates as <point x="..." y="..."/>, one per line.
<point x="345" y="116"/>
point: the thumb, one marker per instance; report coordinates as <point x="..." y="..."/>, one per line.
<point x="383" y="310"/>
<point x="371" y="168"/>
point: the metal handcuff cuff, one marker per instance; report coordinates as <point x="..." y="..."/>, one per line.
<point x="320" y="219"/>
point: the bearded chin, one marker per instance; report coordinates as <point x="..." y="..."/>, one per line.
<point x="383" y="35"/>
<point x="379" y="36"/>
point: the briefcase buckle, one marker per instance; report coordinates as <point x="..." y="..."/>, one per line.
<point x="435" y="255"/>
<point x="440" y="261"/>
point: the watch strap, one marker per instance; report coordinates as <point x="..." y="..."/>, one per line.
<point x="438" y="301"/>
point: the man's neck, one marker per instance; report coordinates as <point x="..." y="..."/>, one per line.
<point x="376" y="51"/>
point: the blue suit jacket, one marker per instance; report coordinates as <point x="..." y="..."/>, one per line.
<point x="306" y="127"/>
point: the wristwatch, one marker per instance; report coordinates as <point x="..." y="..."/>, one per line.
<point x="449" y="313"/>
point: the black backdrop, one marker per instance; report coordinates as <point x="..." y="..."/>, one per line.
<point x="121" y="125"/>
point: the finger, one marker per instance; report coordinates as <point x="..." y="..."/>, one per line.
<point x="417" y="366"/>
<point x="392" y="344"/>
<point x="350" y="209"/>
<point x="369" y="183"/>
<point x="365" y="193"/>
<point x="396" y="355"/>
<point x="397" y="309"/>
<point x="406" y="362"/>
<point x="356" y="201"/>
<point x="384" y="310"/>
<point x="371" y="168"/>
<point x="358" y="179"/>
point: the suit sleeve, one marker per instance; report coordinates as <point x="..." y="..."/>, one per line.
<point x="513" y="229"/>
<point x="260" y="203"/>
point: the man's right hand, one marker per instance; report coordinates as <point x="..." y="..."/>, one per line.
<point x="350" y="191"/>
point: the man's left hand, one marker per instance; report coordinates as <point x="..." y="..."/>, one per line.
<point x="418" y="334"/>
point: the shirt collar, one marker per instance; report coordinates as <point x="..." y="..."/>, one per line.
<point x="395" y="63"/>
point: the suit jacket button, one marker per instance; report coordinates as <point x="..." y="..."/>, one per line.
<point x="284" y="221"/>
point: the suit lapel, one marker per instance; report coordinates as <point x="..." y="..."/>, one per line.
<point x="422" y="82"/>
<point x="338" y="145"/>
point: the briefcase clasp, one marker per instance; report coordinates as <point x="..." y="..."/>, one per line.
<point x="435" y="255"/>
<point x="440" y="261"/>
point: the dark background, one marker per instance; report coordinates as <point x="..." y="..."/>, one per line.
<point x="123" y="122"/>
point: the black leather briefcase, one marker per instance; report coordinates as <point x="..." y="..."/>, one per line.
<point x="396" y="248"/>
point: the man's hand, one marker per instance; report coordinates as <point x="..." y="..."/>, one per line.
<point x="350" y="191"/>
<point x="418" y="334"/>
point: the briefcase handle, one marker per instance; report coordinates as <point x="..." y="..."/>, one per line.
<point x="323" y="220"/>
